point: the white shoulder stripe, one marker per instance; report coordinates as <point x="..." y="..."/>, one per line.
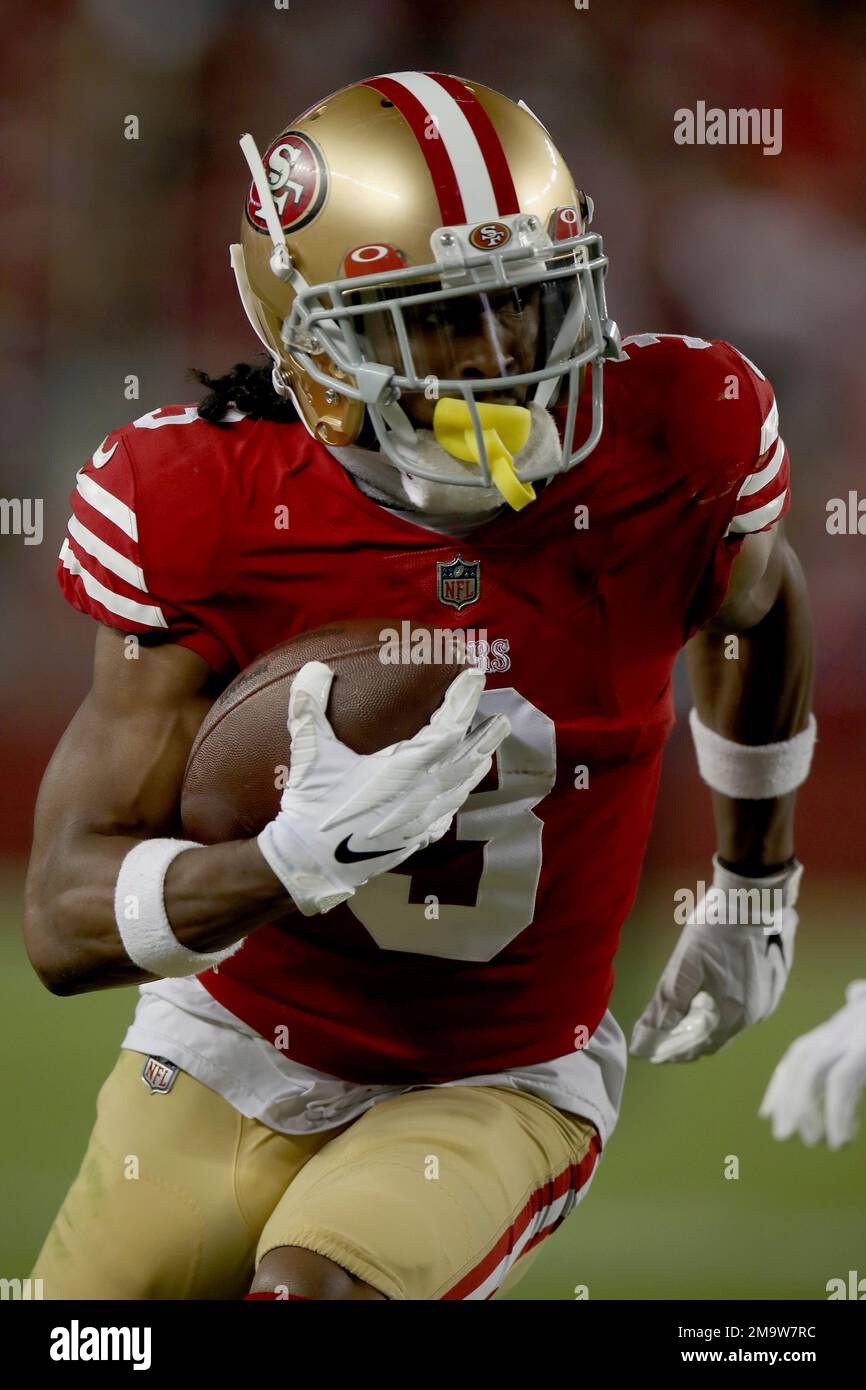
<point x="458" y="137"/>
<point x="145" y="613"/>
<point x="107" y="556"/>
<point x="756" y="481"/>
<point x="770" y="428"/>
<point x="103" y="502"/>
<point x="755" y="521"/>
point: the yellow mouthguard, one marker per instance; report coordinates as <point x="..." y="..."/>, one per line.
<point x="505" y="429"/>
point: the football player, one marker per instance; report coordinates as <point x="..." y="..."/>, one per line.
<point x="394" y="1078"/>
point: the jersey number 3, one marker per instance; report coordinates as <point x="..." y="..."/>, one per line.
<point x="472" y="892"/>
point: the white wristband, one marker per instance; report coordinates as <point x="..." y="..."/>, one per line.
<point x="752" y="772"/>
<point x="142" y="921"/>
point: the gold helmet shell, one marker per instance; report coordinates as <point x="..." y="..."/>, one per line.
<point x="388" y="175"/>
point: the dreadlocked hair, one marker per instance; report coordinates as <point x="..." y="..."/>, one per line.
<point x="248" y="387"/>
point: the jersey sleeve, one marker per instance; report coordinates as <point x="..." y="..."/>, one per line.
<point x="111" y="563"/>
<point x="725" y="436"/>
<point x="764" y="494"/>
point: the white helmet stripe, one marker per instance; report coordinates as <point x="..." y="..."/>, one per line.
<point x="461" y="144"/>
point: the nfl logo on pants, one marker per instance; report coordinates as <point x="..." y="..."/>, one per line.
<point x="158" y="1075"/>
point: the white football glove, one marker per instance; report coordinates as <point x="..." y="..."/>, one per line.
<point x="816" y="1087"/>
<point x="720" y="979"/>
<point x="344" y="816"/>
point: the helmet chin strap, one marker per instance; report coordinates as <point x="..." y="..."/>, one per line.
<point x="399" y="424"/>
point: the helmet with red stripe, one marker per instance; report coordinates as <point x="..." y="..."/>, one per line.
<point x="416" y="238"/>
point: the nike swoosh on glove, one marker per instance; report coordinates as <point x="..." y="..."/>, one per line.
<point x="815" y="1089"/>
<point x="384" y="805"/>
<point x="720" y="979"/>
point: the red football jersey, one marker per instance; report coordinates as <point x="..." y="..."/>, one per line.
<point x="494" y="947"/>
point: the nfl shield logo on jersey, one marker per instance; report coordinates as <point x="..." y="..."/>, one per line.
<point x="458" y="581"/>
<point x="158" y="1075"/>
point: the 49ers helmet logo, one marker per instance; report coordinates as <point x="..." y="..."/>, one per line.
<point x="489" y="235"/>
<point x="298" y="179"/>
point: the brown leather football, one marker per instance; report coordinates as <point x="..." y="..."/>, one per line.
<point x="232" y="783"/>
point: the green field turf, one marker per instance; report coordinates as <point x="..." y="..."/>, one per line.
<point x="661" y="1220"/>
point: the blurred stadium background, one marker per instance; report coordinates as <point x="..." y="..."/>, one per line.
<point x="115" y="263"/>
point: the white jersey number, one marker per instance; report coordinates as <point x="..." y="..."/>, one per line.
<point x="508" y="835"/>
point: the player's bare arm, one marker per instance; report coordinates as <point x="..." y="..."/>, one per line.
<point x="114" y="781"/>
<point x="763" y="696"/>
<point x="750" y="669"/>
<point x="125" y="890"/>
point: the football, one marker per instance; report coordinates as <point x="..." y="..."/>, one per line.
<point x="238" y="763"/>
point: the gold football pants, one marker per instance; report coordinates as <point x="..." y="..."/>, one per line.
<point x="442" y="1193"/>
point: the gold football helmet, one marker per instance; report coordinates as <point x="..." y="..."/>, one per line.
<point x="417" y="238"/>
